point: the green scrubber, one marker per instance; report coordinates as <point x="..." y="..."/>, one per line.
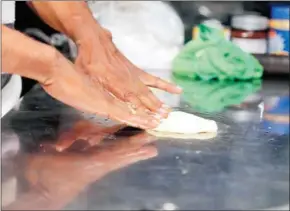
<point x="211" y="56"/>
<point x="214" y="96"/>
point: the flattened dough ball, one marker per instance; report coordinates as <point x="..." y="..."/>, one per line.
<point x="185" y="126"/>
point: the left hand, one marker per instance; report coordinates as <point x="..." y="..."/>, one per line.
<point x="101" y="60"/>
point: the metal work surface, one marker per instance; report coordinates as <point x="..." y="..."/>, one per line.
<point x="246" y="166"/>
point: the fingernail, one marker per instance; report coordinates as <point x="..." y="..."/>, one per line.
<point x="179" y="88"/>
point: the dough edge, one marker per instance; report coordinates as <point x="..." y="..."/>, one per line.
<point x="198" y="136"/>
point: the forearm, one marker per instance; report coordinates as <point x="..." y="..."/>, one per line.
<point x="72" y="18"/>
<point x="26" y="57"/>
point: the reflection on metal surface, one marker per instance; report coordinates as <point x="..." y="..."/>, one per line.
<point x="243" y="167"/>
<point x="215" y="96"/>
<point x="46" y="171"/>
<point x="276" y="116"/>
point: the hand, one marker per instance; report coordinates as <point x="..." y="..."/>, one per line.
<point x="100" y="59"/>
<point x="63" y="81"/>
<point x="76" y="89"/>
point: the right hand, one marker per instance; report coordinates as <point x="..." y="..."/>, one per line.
<point x="80" y="91"/>
<point x="65" y="81"/>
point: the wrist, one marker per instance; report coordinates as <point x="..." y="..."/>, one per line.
<point x="94" y="36"/>
<point x="34" y="59"/>
<point x="49" y="62"/>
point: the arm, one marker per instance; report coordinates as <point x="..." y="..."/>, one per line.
<point x="59" y="78"/>
<point x="20" y="55"/>
<point x="72" y="18"/>
<point x="100" y="58"/>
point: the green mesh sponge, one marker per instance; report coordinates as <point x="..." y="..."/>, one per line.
<point x="211" y="56"/>
<point x="214" y="96"/>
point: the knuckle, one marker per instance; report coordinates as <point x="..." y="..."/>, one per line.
<point x="157" y="81"/>
<point x="108" y="34"/>
<point x="114" y="50"/>
<point x="145" y="91"/>
<point x="56" y="61"/>
<point x="129" y="95"/>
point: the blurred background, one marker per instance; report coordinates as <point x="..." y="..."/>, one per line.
<point x="159" y="29"/>
<point x="248" y="161"/>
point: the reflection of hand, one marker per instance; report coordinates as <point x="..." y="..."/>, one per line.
<point x="91" y="134"/>
<point x="57" y="177"/>
<point x="105" y="63"/>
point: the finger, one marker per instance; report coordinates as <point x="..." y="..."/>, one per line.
<point x="113" y="129"/>
<point x="145" y="94"/>
<point x="133" y="142"/>
<point x="47" y="148"/>
<point x="114" y="159"/>
<point x="95" y="139"/>
<point x="65" y="141"/>
<point x="159" y="83"/>
<point x="152" y="102"/>
<point x="141" y="139"/>
<point x="151" y="80"/>
<point x="119" y="111"/>
<point x="138" y="155"/>
<point x="131" y="99"/>
<point x="78" y="131"/>
<point x="124" y="92"/>
<point x="128" y="145"/>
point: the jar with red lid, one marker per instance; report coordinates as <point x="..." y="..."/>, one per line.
<point x="249" y="32"/>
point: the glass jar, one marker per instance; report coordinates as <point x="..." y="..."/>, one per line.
<point x="249" y="32"/>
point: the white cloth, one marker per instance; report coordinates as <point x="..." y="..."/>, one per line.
<point x="8" y="12"/>
<point x="149" y="33"/>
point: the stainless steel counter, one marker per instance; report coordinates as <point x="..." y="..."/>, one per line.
<point x="246" y="166"/>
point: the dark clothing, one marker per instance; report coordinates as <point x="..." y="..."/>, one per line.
<point x="26" y="18"/>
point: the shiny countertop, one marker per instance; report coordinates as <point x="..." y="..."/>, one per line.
<point x="246" y="166"/>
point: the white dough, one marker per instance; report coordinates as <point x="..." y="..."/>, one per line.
<point x="184" y="125"/>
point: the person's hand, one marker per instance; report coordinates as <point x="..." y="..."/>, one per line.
<point x="78" y="90"/>
<point x="100" y="59"/>
<point x="61" y="79"/>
